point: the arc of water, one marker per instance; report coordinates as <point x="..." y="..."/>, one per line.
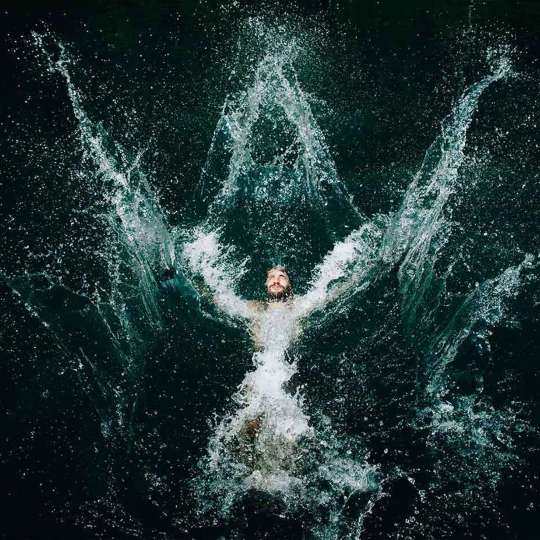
<point x="272" y="86"/>
<point x="137" y="217"/>
<point x="140" y="246"/>
<point x="414" y="234"/>
<point x="486" y="305"/>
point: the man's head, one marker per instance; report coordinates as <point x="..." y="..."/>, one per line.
<point x="278" y="284"/>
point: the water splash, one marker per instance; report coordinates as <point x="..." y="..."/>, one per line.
<point x="278" y="165"/>
<point x="269" y="167"/>
<point x="470" y="437"/>
<point x="137" y="245"/>
<point x="140" y="243"/>
<point x="276" y="97"/>
<point x="264" y="444"/>
<point x="420" y="227"/>
<point x="413" y="237"/>
<point x="207" y="257"/>
<point x="269" y="178"/>
<point x="469" y="424"/>
<point x="485" y="305"/>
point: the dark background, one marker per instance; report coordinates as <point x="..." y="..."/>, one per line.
<point x="404" y="62"/>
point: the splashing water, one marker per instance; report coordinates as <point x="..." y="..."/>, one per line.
<point x="274" y="195"/>
<point x="269" y="173"/>
<point x="275" y="90"/>
<point x="262" y="445"/>
<point x="419" y="227"/>
<point x="486" y="305"/>
<point x="136" y="219"/>
<point x="139" y="243"/>
<point x="266" y="459"/>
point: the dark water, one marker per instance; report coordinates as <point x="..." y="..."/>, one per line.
<point x="392" y="147"/>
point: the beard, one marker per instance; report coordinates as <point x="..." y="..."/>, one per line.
<point x="279" y="294"/>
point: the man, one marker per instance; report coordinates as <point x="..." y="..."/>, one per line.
<point x="272" y="325"/>
<point x="268" y="423"/>
<point x="279" y="297"/>
<point x="279" y="292"/>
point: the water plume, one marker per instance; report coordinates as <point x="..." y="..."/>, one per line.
<point x="419" y="228"/>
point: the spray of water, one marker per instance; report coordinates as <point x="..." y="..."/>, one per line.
<point x="141" y="239"/>
<point x="267" y="442"/>
<point x="262" y="445"/>
<point x="419" y="228"/>
<point x="485" y="305"/>
<point x="274" y="96"/>
<point x="137" y="246"/>
<point x="267" y="459"/>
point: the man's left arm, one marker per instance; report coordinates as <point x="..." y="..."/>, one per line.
<point x="344" y="270"/>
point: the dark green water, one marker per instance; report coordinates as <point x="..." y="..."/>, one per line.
<point x="392" y="147"/>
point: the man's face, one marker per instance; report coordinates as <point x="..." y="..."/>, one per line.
<point x="278" y="284"/>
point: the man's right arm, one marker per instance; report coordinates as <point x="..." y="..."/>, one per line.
<point x="205" y="258"/>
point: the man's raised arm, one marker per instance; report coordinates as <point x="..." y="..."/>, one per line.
<point x="343" y="270"/>
<point x="206" y="258"/>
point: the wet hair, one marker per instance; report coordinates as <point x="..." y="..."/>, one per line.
<point x="278" y="267"/>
